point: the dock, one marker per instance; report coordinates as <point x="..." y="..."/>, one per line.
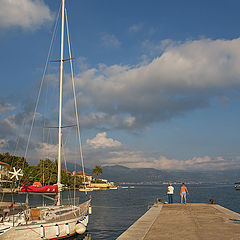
<point x="193" y="221"/>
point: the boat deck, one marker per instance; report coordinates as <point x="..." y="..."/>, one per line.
<point x="189" y="222"/>
<point x="4" y="205"/>
<point x="8" y="190"/>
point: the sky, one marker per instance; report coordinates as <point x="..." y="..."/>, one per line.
<point x="157" y="82"/>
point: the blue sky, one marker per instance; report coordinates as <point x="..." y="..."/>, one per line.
<point x="157" y="81"/>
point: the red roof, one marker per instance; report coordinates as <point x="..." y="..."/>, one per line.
<point x="82" y="173"/>
<point x="79" y="172"/>
<point x="66" y="171"/>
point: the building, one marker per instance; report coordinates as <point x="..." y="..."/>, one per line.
<point x="4" y="170"/>
<point x="88" y="178"/>
<point x="100" y="185"/>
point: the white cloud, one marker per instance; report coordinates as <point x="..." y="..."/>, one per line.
<point x="107" y="152"/>
<point x="3" y="145"/>
<point x="47" y="150"/>
<point x="196" y="163"/>
<point x="157" y="49"/>
<point x="8" y="127"/>
<point x="110" y="40"/>
<point x="138" y="159"/>
<point x="4" y="108"/>
<point x="27" y="14"/>
<point x="101" y="141"/>
<point x="129" y="121"/>
<point x="187" y="76"/>
<point x="135" y="28"/>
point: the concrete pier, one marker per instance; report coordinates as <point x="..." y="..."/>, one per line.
<point x="195" y="221"/>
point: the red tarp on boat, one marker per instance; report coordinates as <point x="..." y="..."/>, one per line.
<point x="45" y="189"/>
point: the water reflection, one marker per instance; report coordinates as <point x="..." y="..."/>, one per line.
<point x="86" y="236"/>
<point x="115" y="210"/>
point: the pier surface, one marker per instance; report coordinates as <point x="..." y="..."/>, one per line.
<point x="195" y="221"/>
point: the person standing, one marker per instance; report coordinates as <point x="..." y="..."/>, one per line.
<point x="170" y="192"/>
<point x="183" y="193"/>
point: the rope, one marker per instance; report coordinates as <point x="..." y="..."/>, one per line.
<point x="65" y="163"/>
<point x="41" y="85"/>
<point x="75" y="102"/>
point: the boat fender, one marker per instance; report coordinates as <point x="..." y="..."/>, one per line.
<point x="57" y="230"/>
<point x="90" y="210"/>
<point x="80" y="228"/>
<point x="42" y="232"/>
<point x="67" y="228"/>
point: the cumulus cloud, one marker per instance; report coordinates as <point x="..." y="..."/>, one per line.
<point x="129" y="121"/>
<point x="101" y="141"/>
<point x="27" y="14"/>
<point x="3" y="144"/>
<point x="138" y="159"/>
<point x="110" y="40"/>
<point x="5" y="108"/>
<point x="48" y="150"/>
<point x="108" y="152"/>
<point x="196" y="163"/>
<point x="157" y="49"/>
<point x="7" y="128"/>
<point x="185" y="77"/>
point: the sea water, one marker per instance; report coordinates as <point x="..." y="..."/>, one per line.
<point x="114" y="211"/>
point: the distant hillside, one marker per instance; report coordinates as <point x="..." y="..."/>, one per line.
<point x="123" y="174"/>
<point x="120" y="174"/>
<point x="147" y="175"/>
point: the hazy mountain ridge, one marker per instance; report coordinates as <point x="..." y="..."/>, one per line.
<point x="119" y="173"/>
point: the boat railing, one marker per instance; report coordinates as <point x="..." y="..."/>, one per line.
<point x="71" y="201"/>
<point x="64" y="213"/>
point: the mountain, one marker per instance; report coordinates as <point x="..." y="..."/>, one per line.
<point x="120" y="174"/>
<point x="123" y="174"/>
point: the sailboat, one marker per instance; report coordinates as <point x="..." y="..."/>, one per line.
<point x="47" y="222"/>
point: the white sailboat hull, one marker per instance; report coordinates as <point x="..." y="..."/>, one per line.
<point x="65" y="224"/>
<point x="49" y="231"/>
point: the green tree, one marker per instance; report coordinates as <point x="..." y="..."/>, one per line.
<point x="31" y="174"/>
<point x="97" y="171"/>
<point x="13" y="161"/>
<point x="47" y="171"/>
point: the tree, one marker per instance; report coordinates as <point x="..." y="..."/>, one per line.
<point x="47" y="172"/>
<point x="31" y="175"/>
<point x="13" y="161"/>
<point x="97" y="171"/>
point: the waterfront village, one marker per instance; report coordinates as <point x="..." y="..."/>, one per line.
<point x="45" y="173"/>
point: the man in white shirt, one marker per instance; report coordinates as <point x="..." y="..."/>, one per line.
<point x="170" y="192"/>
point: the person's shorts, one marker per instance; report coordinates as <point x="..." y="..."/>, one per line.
<point x="183" y="194"/>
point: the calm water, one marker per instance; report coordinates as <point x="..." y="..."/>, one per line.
<point x="115" y="210"/>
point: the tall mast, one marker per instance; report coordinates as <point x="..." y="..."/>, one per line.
<point x="60" y="108"/>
